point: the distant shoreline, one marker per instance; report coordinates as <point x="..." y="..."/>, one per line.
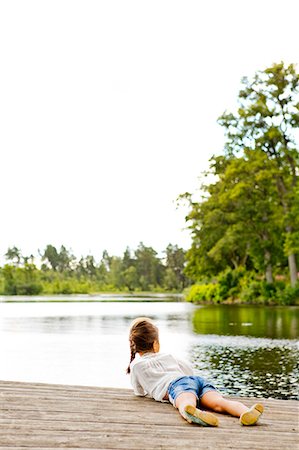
<point x="93" y="298"/>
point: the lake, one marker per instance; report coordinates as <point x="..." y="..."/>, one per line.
<point x="245" y="350"/>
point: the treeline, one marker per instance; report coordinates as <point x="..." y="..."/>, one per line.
<point x="60" y="272"/>
<point x="245" y="227"/>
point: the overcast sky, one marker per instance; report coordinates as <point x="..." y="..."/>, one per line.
<point x="108" y="112"/>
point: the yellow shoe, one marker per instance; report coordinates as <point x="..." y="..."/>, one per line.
<point x="203" y="418"/>
<point x="252" y="416"/>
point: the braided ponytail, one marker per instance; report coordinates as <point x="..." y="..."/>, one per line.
<point x="143" y="334"/>
<point x="133" y="354"/>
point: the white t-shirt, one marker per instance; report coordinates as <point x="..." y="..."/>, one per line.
<point x="152" y="373"/>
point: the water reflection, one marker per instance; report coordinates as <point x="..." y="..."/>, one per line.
<point x="271" y="322"/>
<point x="248" y="350"/>
<point x="92" y="325"/>
<point x="252" y="367"/>
<point x="245" y="350"/>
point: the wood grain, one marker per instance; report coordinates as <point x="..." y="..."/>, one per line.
<point x="43" y="416"/>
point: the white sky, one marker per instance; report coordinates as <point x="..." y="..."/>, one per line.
<point x="108" y="112"/>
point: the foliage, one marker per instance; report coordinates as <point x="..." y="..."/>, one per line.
<point x="58" y="260"/>
<point x="13" y="255"/>
<point x="200" y="293"/>
<point x="62" y="273"/>
<point x="238" y="223"/>
<point x="290" y="295"/>
<point x="21" y="281"/>
<point x="175" y="278"/>
<point x="243" y="287"/>
<point x="265" y="122"/>
<point x="245" y="227"/>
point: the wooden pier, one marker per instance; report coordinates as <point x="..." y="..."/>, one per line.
<point x="43" y="416"/>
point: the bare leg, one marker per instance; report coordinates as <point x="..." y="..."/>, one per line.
<point x="186" y="404"/>
<point x="213" y="400"/>
<point x="184" y="399"/>
<point x="248" y="416"/>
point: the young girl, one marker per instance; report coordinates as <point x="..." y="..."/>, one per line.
<point x="165" y="378"/>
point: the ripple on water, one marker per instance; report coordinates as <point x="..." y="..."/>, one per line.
<point x="248" y="366"/>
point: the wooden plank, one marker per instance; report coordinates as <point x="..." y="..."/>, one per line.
<point x="42" y="416"/>
<point x="179" y="432"/>
<point x="120" y="441"/>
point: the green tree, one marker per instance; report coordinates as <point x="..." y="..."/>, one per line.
<point x="13" y="255"/>
<point x="266" y="119"/>
<point x="59" y="261"/>
<point x="149" y="268"/>
<point x="86" y="267"/>
<point x="292" y="239"/>
<point x="90" y="266"/>
<point x="102" y="274"/>
<point x="129" y="271"/>
<point x="65" y="260"/>
<point x="130" y="278"/>
<point x="21" y="280"/>
<point x="103" y="269"/>
<point x="175" y="278"/>
<point x="249" y="198"/>
<point x="10" y="285"/>
<point x="115" y="273"/>
<point x="238" y="220"/>
<point x="51" y="256"/>
<point x="81" y="267"/>
<point x="106" y="260"/>
<point x="127" y="260"/>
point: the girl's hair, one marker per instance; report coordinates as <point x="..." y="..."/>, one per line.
<point x="143" y="334"/>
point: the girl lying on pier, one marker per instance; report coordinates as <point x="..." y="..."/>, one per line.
<point x="166" y="378"/>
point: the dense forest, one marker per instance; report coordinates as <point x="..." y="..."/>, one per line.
<point x="60" y="272"/>
<point x="245" y="226"/>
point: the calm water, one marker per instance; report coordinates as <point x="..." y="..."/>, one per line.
<point x="245" y="350"/>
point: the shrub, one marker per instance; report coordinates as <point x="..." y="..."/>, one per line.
<point x="29" y="289"/>
<point x="203" y="293"/>
<point x="290" y="295"/>
<point x="229" y="282"/>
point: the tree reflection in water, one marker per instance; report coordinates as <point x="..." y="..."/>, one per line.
<point x="247" y="350"/>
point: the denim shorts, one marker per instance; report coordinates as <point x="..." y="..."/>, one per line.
<point x="197" y="385"/>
